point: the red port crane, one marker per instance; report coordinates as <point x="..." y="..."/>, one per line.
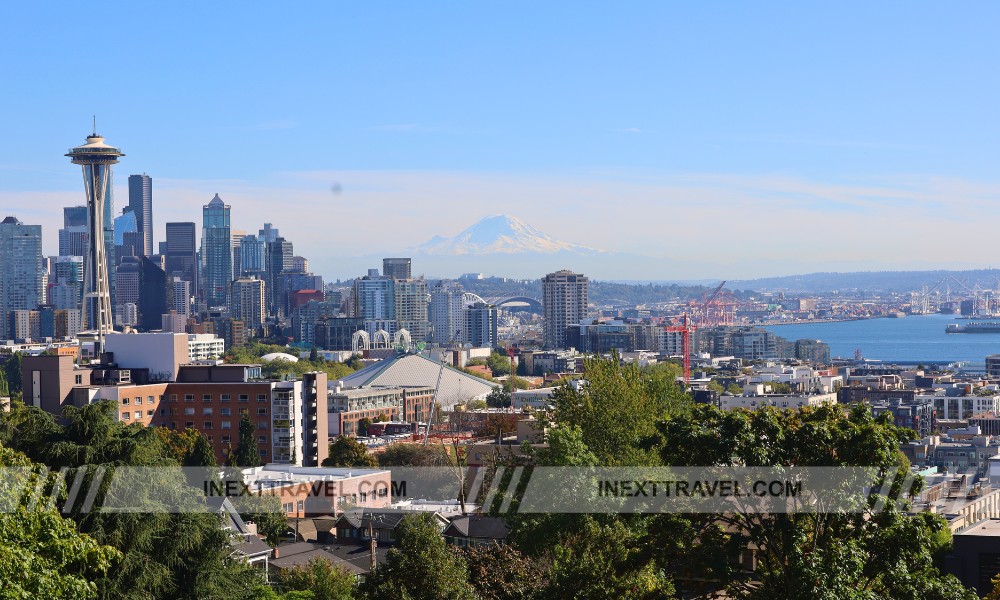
<point x="685" y="330"/>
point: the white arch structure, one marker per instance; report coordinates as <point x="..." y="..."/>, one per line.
<point x="381" y="339"/>
<point x="402" y="338"/>
<point x="360" y="341"/>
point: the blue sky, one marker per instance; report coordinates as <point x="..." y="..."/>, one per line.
<point x="738" y="139"/>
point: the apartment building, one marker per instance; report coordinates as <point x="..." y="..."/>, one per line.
<point x="347" y="408"/>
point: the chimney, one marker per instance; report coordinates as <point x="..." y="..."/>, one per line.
<point x="275" y="553"/>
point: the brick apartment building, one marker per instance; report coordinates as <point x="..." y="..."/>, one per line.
<point x="348" y="407"/>
<point x="290" y="417"/>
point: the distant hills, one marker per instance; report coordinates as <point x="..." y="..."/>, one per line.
<point x="874" y="281"/>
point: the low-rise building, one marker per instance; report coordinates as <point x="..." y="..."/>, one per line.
<point x="312" y="491"/>
<point x="790" y="401"/>
<point x="348" y="407"/>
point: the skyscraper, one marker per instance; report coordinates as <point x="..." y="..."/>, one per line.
<point x="279" y="260"/>
<point x="481" y="325"/>
<point x="253" y="254"/>
<point x="411" y="300"/>
<point x="373" y="297"/>
<point x="216" y="252"/>
<point x="182" y="253"/>
<point x="97" y="160"/>
<point x="73" y="235"/>
<point x="446" y="316"/>
<point x="140" y="201"/>
<point x="564" y="303"/>
<point x="20" y="269"/>
<point x="397" y="268"/>
<point x="246" y="303"/>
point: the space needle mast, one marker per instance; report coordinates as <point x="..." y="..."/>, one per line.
<point x="97" y="160"/>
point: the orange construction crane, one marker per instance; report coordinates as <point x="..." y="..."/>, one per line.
<point x="685" y="331"/>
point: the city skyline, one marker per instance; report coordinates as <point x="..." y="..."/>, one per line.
<point x="802" y="119"/>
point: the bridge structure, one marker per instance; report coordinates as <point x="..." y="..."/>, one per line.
<point x="512" y="301"/>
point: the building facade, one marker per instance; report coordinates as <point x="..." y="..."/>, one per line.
<point x="564" y="303"/>
<point x="216" y="252"/>
<point x="20" y="269"/>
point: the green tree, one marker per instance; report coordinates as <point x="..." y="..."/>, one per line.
<point x="498" y="363"/>
<point x="421" y="567"/>
<point x="41" y="553"/>
<point x="247" y="454"/>
<point x="363" y="426"/>
<point x="616" y="409"/>
<point x="499" y="397"/>
<point x="173" y="549"/>
<point x="605" y="561"/>
<point x="200" y="454"/>
<point x="414" y="455"/>
<point x="519" y="577"/>
<point x="321" y="578"/>
<point x="874" y="554"/>
<point x="346" y="451"/>
<point x="269" y="517"/>
<point x="734" y="389"/>
<point x="12" y="374"/>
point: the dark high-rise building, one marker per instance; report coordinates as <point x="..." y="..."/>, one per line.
<point x="152" y="295"/>
<point x="216" y="252"/>
<point x="75" y="216"/>
<point x="397" y="268"/>
<point x="140" y="201"/>
<point x="182" y="253"/>
<point x="279" y="260"/>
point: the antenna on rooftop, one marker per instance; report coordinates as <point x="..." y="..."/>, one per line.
<point x="95" y="125"/>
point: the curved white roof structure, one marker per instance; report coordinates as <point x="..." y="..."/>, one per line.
<point x="279" y="356"/>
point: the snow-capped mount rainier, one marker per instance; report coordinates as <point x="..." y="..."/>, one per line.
<point x="501" y="234"/>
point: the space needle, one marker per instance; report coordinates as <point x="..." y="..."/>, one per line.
<point x="97" y="159"/>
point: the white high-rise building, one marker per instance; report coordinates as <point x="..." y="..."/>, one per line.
<point x="564" y="303"/>
<point x="446" y="316"/>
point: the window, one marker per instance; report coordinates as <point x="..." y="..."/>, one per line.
<point x="226" y="439"/>
<point x="138" y="414"/>
<point x="261" y="439"/>
<point x="261" y="397"/>
<point x="207" y="425"/>
<point x="189" y="397"/>
<point x="363" y="496"/>
<point x="206" y="397"/>
<point x="261" y="411"/>
<point x="78" y="379"/>
<point x="126" y="416"/>
<point x="163" y="412"/>
<point x="125" y="401"/>
<point x="173" y="397"/>
<point x="263" y="452"/>
<point x="138" y="400"/>
<point x="210" y="438"/>
<point x="262" y="424"/>
<point x="224" y="397"/>
<point x="149" y="413"/>
<point x="244" y="411"/>
<point x="383" y="492"/>
<point x="149" y="399"/>
<point x="225" y="411"/>
<point x="226" y="425"/>
<point x="207" y="410"/>
<point x="189" y="424"/>
<point x="188" y="411"/>
<point x="244" y="397"/>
